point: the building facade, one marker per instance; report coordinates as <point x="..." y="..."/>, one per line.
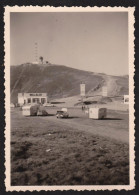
<point x="29" y="98"/>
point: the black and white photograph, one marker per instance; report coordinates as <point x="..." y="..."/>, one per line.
<point x="69" y="98"/>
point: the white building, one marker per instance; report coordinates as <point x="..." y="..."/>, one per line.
<point x="29" y="98"/>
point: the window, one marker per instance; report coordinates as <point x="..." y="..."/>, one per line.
<point x="42" y="100"/>
<point x="34" y="100"/>
<point x="29" y="100"/>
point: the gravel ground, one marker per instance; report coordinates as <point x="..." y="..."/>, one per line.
<point x="50" y="151"/>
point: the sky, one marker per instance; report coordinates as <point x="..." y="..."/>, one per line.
<point x="91" y="41"/>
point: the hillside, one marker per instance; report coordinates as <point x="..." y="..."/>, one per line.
<point x="60" y="81"/>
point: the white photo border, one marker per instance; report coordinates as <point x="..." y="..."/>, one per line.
<point x="131" y="38"/>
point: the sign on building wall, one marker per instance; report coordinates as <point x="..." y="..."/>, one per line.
<point x="35" y="94"/>
<point x="104" y="91"/>
<point x="82" y="89"/>
<point x="24" y="98"/>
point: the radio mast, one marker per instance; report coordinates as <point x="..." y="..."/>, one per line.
<point x="36" y="52"/>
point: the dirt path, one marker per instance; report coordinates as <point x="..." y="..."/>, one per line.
<point x="112" y="133"/>
<point x="111" y="84"/>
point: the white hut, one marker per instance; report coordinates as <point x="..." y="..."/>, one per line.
<point x="12" y="105"/>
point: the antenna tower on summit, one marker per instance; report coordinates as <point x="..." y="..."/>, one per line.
<point x="36" y="52"/>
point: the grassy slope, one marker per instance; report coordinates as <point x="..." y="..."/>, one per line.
<point x="49" y="152"/>
<point x="60" y="81"/>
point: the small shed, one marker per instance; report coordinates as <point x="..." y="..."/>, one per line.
<point x="12" y="105"/>
<point x="97" y="113"/>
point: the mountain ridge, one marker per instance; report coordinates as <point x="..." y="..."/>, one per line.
<point x="60" y="81"/>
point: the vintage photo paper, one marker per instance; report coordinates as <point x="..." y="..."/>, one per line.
<point x="69" y="98"/>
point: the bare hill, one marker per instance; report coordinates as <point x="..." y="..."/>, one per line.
<point x="60" y="81"/>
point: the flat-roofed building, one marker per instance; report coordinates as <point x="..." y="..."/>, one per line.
<point x="29" y="98"/>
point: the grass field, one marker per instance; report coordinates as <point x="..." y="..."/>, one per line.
<point x="74" y="151"/>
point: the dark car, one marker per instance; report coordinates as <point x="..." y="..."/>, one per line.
<point x="62" y="114"/>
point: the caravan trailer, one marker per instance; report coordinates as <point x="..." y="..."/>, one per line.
<point x="34" y="110"/>
<point x="97" y="113"/>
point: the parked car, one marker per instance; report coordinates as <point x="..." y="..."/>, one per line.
<point x="62" y="114"/>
